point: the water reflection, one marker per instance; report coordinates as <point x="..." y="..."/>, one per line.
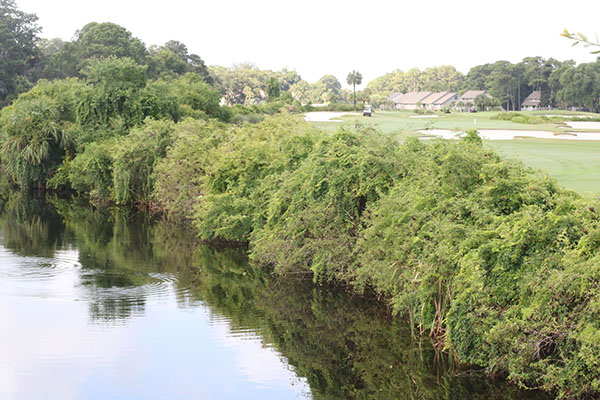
<point x="133" y="308"/>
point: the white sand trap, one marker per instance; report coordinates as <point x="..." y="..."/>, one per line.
<point x="326" y="116"/>
<point x="423" y="116"/>
<point x="567" y="116"/>
<point x="584" y="125"/>
<point x="500" y="134"/>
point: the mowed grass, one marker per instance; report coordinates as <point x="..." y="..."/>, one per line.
<point x="574" y="164"/>
<point x="408" y="123"/>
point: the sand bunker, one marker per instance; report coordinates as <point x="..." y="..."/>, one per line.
<point x="423" y="116"/>
<point x="567" y="116"/>
<point x="326" y="116"/>
<point x="499" y="134"/>
<point x="584" y="125"/>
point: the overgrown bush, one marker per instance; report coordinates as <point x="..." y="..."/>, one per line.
<point x="33" y="140"/>
<point x="135" y="157"/>
<point x="180" y="174"/>
<point x="317" y="214"/>
<point x="243" y="173"/>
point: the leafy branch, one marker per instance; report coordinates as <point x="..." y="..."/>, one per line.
<point x="581" y="38"/>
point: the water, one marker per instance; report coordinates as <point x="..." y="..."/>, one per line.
<point x="101" y="305"/>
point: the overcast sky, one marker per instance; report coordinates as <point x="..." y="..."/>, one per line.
<point x="318" y="37"/>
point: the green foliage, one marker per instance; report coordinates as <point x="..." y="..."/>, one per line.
<point x="115" y="98"/>
<point x="33" y="140"/>
<point x="135" y="157"/>
<point x="65" y="93"/>
<point x="519" y="118"/>
<point x="100" y="40"/>
<point x="581" y="86"/>
<point x="197" y="99"/>
<point x="317" y="214"/>
<point x="490" y="258"/>
<point x="486" y="103"/>
<point x="20" y="54"/>
<point x="244" y="172"/>
<point x="89" y="172"/>
<point x="273" y="90"/>
<point x="179" y="175"/>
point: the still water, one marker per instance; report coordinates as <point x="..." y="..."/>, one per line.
<point x="99" y="304"/>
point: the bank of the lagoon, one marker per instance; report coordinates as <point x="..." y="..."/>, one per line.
<point x="548" y="147"/>
<point x="99" y="304"/>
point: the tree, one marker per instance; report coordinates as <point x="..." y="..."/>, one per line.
<point x="326" y="89"/>
<point x="300" y="91"/>
<point x="19" y="53"/>
<point x="172" y="59"/>
<point x="99" y="40"/>
<point x="484" y="102"/>
<point x="273" y="90"/>
<point x="354" y="78"/>
<point x="581" y="86"/>
<point x="117" y="83"/>
<point x="504" y="81"/>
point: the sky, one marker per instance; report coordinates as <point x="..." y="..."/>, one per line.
<point x="318" y="37"/>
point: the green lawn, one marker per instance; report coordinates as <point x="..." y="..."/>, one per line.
<point x="406" y="122"/>
<point x="575" y="164"/>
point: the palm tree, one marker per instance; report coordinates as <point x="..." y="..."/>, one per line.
<point x="354" y="78"/>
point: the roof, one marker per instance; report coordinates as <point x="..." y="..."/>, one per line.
<point x="438" y="98"/>
<point x="533" y="99"/>
<point x="471" y="94"/>
<point x="411" y="97"/>
<point x="395" y="94"/>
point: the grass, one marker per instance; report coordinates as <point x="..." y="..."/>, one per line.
<point x="406" y="122"/>
<point x="575" y="164"/>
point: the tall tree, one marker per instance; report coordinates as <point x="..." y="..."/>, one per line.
<point x="98" y="40"/>
<point x="18" y="50"/>
<point x="273" y="90"/>
<point x="354" y="78"/>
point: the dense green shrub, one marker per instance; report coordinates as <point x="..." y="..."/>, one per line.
<point x="317" y="214"/>
<point x="135" y="157"/>
<point x="116" y="86"/>
<point x="33" y="140"/>
<point x="243" y="173"/>
<point x="89" y="172"/>
<point x="519" y="118"/>
<point x="179" y="175"/>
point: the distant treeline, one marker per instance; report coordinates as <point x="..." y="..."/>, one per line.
<point x="27" y="58"/>
<point x="561" y="83"/>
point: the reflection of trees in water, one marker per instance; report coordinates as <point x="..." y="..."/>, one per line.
<point x="346" y="347"/>
<point x="115" y="308"/>
<point x="29" y="226"/>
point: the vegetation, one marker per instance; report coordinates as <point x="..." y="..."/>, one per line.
<point x="468" y="246"/>
<point x="343" y="346"/>
<point x="491" y="259"/>
<point x="354" y="78"/>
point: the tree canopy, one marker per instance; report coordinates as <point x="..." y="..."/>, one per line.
<point x="19" y="51"/>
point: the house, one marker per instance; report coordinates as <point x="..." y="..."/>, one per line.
<point x="467" y="100"/>
<point x="392" y="95"/>
<point x="424" y="100"/>
<point x="410" y="100"/>
<point x="439" y="100"/>
<point x="533" y="101"/>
